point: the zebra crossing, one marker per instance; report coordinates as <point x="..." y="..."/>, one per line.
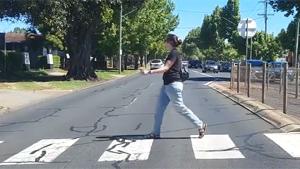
<point x="211" y="147"/>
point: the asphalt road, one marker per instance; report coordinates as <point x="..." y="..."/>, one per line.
<point x="102" y="127"/>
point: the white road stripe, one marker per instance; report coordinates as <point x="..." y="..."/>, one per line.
<point x="208" y="83"/>
<point x="215" y="147"/>
<point x="127" y="150"/>
<point x="1" y="142"/>
<point x="44" y="151"/>
<point x="289" y="142"/>
<point x="204" y="74"/>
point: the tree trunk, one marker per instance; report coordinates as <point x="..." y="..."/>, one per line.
<point x="80" y="47"/>
<point x="141" y="60"/>
<point x="125" y="62"/>
<point x="136" y="62"/>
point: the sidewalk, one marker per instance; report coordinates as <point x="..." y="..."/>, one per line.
<point x="271" y="111"/>
<point x="12" y="100"/>
<point x="273" y="98"/>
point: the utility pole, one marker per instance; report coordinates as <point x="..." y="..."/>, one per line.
<point x="266" y="16"/>
<point x="5" y="55"/>
<point x="120" y="49"/>
<point x="297" y="57"/>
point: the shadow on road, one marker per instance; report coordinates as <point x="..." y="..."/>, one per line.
<point x="208" y="79"/>
<point x="136" y="137"/>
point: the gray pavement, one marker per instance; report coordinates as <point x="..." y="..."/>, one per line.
<point x="82" y="130"/>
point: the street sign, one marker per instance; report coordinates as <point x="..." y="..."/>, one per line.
<point x="26" y="58"/>
<point x="247" y="28"/>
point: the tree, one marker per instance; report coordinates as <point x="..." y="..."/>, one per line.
<point x="76" y="22"/>
<point x="291" y="7"/>
<point x="230" y="19"/>
<point x="209" y="30"/>
<point x="148" y="28"/>
<point x="266" y="49"/>
<point x="287" y="37"/>
<point x="19" y="30"/>
<point x="190" y="46"/>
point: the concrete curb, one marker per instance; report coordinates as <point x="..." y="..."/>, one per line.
<point x="273" y="116"/>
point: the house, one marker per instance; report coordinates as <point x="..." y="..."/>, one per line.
<point x="23" y="42"/>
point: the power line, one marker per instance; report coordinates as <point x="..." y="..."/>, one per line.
<point x="193" y="11"/>
<point x="266" y="16"/>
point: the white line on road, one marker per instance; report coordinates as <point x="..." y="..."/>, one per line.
<point x="208" y="83"/>
<point x="133" y="101"/>
<point x="204" y="74"/>
<point x="127" y="150"/>
<point x="289" y="142"/>
<point x="44" y="151"/>
<point x="215" y="147"/>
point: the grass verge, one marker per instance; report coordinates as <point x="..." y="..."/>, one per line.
<point x="53" y="80"/>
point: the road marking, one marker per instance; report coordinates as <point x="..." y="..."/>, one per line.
<point x="127" y="150"/>
<point x="1" y="142"/>
<point x="204" y="74"/>
<point x="208" y="83"/>
<point x="44" y="151"/>
<point x="133" y="101"/>
<point x="289" y="142"/>
<point x="215" y="147"/>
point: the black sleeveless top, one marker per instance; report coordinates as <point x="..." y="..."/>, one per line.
<point x="173" y="74"/>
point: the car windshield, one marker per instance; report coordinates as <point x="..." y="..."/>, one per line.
<point x="255" y="63"/>
<point x="156" y="61"/>
<point x="211" y="62"/>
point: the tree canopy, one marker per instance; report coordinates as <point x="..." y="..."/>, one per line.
<point x="84" y="28"/>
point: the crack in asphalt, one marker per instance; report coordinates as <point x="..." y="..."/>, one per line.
<point x="138" y="126"/>
<point x="56" y="110"/>
<point x="107" y="114"/>
<point x="122" y="143"/>
<point x="41" y="156"/>
<point x="34" y="151"/>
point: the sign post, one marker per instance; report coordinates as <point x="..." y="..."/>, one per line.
<point x="26" y="61"/>
<point x="247" y="29"/>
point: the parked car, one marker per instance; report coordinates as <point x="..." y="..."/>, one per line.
<point x="156" y="64"/>
<point x="225" y="67"/>
<point x="277" y="68"/>
<point x="211" y="66"/>
<point x="256" y="68"/>
<point x="194" y="64"/>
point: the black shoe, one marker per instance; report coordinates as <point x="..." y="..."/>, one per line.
<point x="202" y="131"/>
<point x="152" y="136"/>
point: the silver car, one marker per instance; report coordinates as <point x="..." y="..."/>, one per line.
<point x="211" y="66"/>
<point x="156" y="64"/>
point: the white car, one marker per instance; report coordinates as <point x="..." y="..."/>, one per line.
<point x="156" y="64"/>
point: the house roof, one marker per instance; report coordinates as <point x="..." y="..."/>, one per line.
<point x="12" y="37"/>
<point x="15" y="37"/>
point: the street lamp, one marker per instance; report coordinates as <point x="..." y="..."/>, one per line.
<point x="120" y="38"/>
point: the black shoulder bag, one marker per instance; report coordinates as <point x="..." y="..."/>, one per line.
<point x="184" y="73"/>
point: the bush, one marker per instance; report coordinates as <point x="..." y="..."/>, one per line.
<point x="14" y="61"/>
<point x="56" y="61"/>
<point x="41" y="62"/>
<point x="1" y="61"/>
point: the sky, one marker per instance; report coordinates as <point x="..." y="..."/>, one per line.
<point x="192" y="12"/>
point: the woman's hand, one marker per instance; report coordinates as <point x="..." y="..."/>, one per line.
<point x="145" y="71"/>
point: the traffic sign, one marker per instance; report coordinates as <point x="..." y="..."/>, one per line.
<point x="247" y="28"/>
